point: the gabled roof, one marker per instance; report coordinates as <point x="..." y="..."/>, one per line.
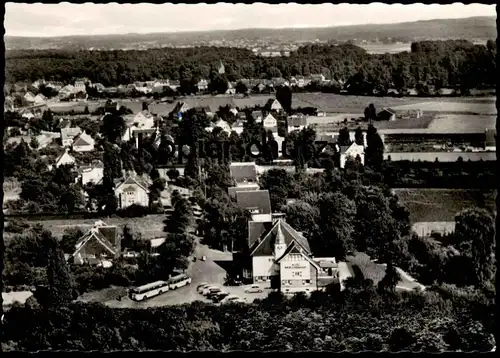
<point x="265" y="247"/>
<point x="65" y="154"/>
<point x="345" y="148"/>
<point x="269" y="115"/>
<point x="83" y="139"/>
<point x="388" y="110"/>
<point x="233" y="190"/>
<point x="295" y="248"/>
<point x="254" y="200"/>
<point x="134" y="180"/>
<point x="104" y="234"/>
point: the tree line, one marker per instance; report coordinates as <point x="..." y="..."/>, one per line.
<point x="455" y="64"/>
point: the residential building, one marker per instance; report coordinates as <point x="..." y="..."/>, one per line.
<point x="56" y="85"/>
<point x="83" y="143"/>
<point x="145" y="120"/>
<point x="40" y="99"/>
<point x="65" y="159"/>
<point x="66" y="91"/>
<point x="100" y="244"/>
<point x="273" y="105"/>
<point x="29" y="97"/>
<point x="353" y="151"/>
<point x="92" y="173"/>
<point x="133" y="189"/>
<point x="258" y="116"/>
<point x="296" y="122"/>
<point x="270" y="122"/>
<point x="99" y="87"/>
<point x="257" y="202"/>
<point x="174" y="84"/>
<point x="230" y="89"/>
<point x="223" y="125"/>
<point x="282" y="256"/>
<point x="180" y="107"/>
<point x="221" y="69"/>
<point x="387" y="114"/>
<point x="317" y="78"/>
<point x="80" y="87"/>
<point x="202" y="85"/>
<point x="26" y="113"/>
<point x="10" y="298"/>
<point x="428" y="228"/>
<point x="68" y="132"/>
<point x="243" y="172"/>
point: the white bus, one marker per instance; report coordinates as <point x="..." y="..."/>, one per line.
<point x="147" y="291"/>
<point x="179" y="281"/>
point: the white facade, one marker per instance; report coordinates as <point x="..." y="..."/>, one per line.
<point x="276" y="106"/>
<point x="352" y="152"/>
<point x="40" y="99"/>
<point x="83" y="143"/>
<point x="130" y="192"/>
<point x="270" y="121"/>
<point x="144" y="120"/>
<point x="263" y="268"/>
<point x="92" y="175"/>
<point x="28" y="97"/>
<point x="65" y="159"/>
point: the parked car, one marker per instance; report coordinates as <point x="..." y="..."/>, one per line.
<point x="200" y="286"/>
<point x="213" y="291"/>
<point x="219" y="296"/>
<point x="210" y="289"/>
<point x="254" y="289"/>
<point x="205" y="289"/>
<point x="238" y="300"/>
<point x="229" y="298"/>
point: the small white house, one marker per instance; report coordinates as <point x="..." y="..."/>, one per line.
<point x="230" y="89"/>
<point x="273" y="105"/>
<point x="29" y="97"/>
<point x="92" y="174"/>
<point x="40" y="99"/>
<point x="270" y="121"/>
<point x="144" y="120"/>
<point x="132" y="190"/>
<point x="65" y="159"/>
<point x="352" y="151"/>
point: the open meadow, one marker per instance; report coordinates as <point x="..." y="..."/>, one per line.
<point x="442" y="204"/>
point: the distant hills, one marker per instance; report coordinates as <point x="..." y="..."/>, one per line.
<point x="473" y="29"/>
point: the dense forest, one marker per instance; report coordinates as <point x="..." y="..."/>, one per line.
<point x="455" y="64"/>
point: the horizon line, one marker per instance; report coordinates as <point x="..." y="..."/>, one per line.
<point x="245" y="28"/>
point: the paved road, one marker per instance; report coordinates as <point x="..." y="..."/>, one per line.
<point x="200" y="271"/>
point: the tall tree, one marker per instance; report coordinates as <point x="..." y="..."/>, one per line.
<point x="374" y="153"/>
<point x="284" y="97"/>
<point x="358" y="136"/>
<point x="475" y="239"/>
<point x="61" y="284"/>
<point x="390" y="279"/>
<point x="344" y="138"/>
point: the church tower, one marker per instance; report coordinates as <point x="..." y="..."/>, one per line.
<point x="221" y="69"/>
<point x="279" y="245"/>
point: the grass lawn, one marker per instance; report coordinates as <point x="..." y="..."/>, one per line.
<point x="441" y="204"/>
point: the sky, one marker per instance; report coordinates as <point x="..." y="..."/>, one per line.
<point x="46" y="20"/>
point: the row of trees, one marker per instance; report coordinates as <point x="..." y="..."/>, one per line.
<point x="456" y="64"/>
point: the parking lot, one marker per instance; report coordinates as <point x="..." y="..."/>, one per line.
<point x="209" y="271"/>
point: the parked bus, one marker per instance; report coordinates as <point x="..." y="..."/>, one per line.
<point x="179" y="281"/>
<point x="147" y="291"/>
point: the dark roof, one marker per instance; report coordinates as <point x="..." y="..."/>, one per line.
<point x="266" y="246"/>
<point x="256" y="114"/>
<point x="232" y="190"/>
<point x="491" y="135"/>
<point x="325" y="138"/>
<point x="257" y="199"/>
<point x="244" y="172"/>
<point x="387" y="110"/>
<point x="255" y="231"/>
<point x="134" y="179"/>
<point x="104" y="234"/>
<point x="63" y="123"/>
<point x="343" y="148"/>
<point x="80" y="141"/>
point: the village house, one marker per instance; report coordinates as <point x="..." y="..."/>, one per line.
<point x="387" y="114"/>
<point x="429" y="228"/>
<point x="202" y="85"/>
<point x="296" y="122"/>
<point x="29" y="97"/>
<point x="66" y="92"/>
<point x="83" y="143"/>
<point x="40" y="99"/>
<point x="270" y="122"/>
<point x="92" y="173"/>
<point x="80" y="87"/>
<point x="55" y="85"/>
<point x="145" y="120"/>
<point x="230" y="89"/>
<point x="317" y="78"/>
<point x="99" y="87"/>
<point x="38" y="83"/>
<point x="273" y="105"/>
<point x="353" y="151"/>
<point x="68" y="132"/>
<point x="64" y="159"/>
<point x="133" y="189"/>
<point x="258" y="116"/>
<point x="180" y="107"/>
<point x="257" y="202"/>
<point x="11" y="298"/>
<point x="282" y="256"/>
<point x="222" y="124"/>
<point x="99" y="246"/>
<point x="27" y="114"/>
<point x="174" y="84"/>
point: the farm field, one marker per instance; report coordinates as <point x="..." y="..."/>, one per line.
<point x="460" y="123"/>
<point x="442" y="204"/>
<point x="334" y="103"/>
<point x="375" y="48"/>
<point x="150" y="226"/>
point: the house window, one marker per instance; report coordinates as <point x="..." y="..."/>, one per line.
<point x="130" y="193"/>
<point x="297" y="274"/>
<point x="308" y="282"/>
